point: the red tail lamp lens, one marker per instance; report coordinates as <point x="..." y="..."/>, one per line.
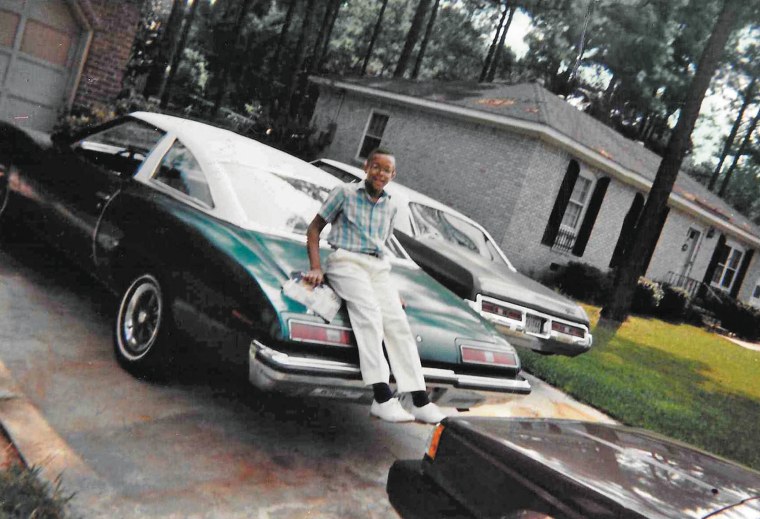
<point x="568" y="330"/>
<point x="321" y="334"/>
<point x="503" y="311"/>
<point x="488" y="357"/>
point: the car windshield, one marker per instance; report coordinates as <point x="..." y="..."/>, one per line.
<point x="281" y="202"/>
<point x="439" y="225"/>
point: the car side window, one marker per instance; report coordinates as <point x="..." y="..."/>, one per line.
<point x="120" y="149"/>
<point x="180" y="171"/>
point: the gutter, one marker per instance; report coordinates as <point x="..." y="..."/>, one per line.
<point x="550" y="136"/>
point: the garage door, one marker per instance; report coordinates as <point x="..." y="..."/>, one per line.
<point x="39" y="49"/>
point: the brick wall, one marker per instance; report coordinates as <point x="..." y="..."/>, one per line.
<point x="476" y="170"/>
<point x="109" y="51"/>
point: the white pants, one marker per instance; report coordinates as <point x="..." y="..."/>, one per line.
<point x="375" y="311"/>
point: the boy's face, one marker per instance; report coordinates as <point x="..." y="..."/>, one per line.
<point x="380" y="170"/>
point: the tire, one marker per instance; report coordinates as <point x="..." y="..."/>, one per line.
<point x="143" y="333"/>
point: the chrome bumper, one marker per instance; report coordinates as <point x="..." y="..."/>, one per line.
<point x="272" y="370"/>
<point x="555" y="343"/>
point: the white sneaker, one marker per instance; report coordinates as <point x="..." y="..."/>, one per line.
<point x="390" y="411"/>
<point x="428" y="413"/>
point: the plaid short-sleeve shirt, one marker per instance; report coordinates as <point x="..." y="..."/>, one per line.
<point x="358" y="224"/>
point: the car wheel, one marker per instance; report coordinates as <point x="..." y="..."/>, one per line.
<point x="5" y="194"/>
<point x="142" y="338"/>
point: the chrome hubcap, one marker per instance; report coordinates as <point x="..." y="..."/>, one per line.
<point x="141" y="318"/>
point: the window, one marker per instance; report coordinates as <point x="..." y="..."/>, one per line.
<point x="438" y="225"/>
<point x="578" y="200"/>
<point x="179" y="170"/>
<point x="121" y="148"/>
<point x="729" y="259"/>
<point x="373" y="135"/>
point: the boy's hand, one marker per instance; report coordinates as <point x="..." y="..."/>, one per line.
<point x="314" y="276"/>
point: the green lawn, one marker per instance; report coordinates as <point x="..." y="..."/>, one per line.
<point x="678" y="380"/>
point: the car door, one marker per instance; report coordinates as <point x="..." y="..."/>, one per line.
<point x="87" y="176"/>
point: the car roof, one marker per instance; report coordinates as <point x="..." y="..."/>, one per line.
<point x="215" y="148"/>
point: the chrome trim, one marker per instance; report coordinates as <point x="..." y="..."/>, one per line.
<point x="521" y="326"/>
<point x="319" y="325"/>
<point x="310" y="367"/>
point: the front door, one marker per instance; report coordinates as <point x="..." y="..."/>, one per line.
<point x="690" y="247"/>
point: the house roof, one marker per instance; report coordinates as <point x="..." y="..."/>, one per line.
<point x="531" y="106"/>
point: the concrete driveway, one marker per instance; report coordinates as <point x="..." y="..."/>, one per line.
<point x="203" y="445"/>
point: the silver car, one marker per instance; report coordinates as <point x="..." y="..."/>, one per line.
<point x="460" y="254"/>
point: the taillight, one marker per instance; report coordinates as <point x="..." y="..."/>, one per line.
<point x="321" y="334"/>
<point x="567" y="329"/>
<point x="489" y="357"/>
<point x="435" y="439"/>
<point x="503" y="311"/>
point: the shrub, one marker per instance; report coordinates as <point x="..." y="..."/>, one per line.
<point x="673" y="304"/>
<point x="646" y="297"/>
<point x="738" y="318"/>
<point x="584" y="282"/>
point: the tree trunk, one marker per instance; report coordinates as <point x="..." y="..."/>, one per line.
<point x="274" y="64"/>
<point x="582" y="41"/>
<point x="425" y="39"/>
<point x="412" y="36"/>
<point x="323" y="37"/>
<point x="749" y="95"/>
<point x="154" y="85"/>
<point x="221" y="83"/>
<point x="326" y="44"/>
<point x="500" y="48"/>
<point x="647" y="230"/>
<point x="178" y="54"/>
<point x="298" y="59"/>
<point x="739" y="153"/>
<point x="494" y="43"/>
<point x="372" y="40"/>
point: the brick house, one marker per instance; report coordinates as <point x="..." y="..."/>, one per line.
<point x="57" y="53"/>
<point x="550" y="183"/>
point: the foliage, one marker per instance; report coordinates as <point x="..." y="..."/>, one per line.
<point x="669" y="378"/>
<point x="646" y="297"/>
<point x="24" y="495"/>
<point x="735" y="316"/>
<point x="583" y="282"/>
<point x="673" y="304"/>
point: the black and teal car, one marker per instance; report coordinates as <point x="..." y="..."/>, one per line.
<point x="196" y="229"/>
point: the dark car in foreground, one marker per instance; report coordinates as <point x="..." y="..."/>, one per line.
<point x="459" y="252"/>
<point x="555" y="469"/>
<point x="196" y="229"/>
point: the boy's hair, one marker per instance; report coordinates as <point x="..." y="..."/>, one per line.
<point x="379" y="151"/>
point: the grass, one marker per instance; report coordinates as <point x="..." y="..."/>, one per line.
<point x="676" y="379"/>
<point x="23" y="495"/>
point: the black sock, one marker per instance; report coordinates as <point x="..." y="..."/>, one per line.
<point x="382" y="391"/>
<point x="420" y="398"/>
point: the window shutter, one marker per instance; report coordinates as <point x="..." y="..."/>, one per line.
<point x="591" y="213"/>
<point x="742" y="272"/>
<point x="654" y="243"/>
<point x="713" y="264"/>
<point x="626" y="231"/>
<point x="560" y="204"/>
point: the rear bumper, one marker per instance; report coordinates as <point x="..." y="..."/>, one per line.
<point x="560" y="345"/>
<point x="272" y="370"/>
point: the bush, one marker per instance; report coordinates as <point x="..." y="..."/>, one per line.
<point x="673" y="304"/>
<point x="738" y="318"/>
<point x="584" y="282"/>
<point x="646" y="297"/>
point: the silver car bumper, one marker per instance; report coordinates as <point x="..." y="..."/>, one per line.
<point x="272" y="370"/>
